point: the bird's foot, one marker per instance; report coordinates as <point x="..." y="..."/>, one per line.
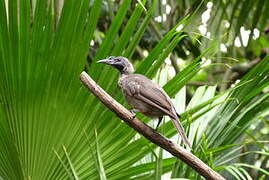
<point x="134" y="111"/>
<point x="159" y="122"/>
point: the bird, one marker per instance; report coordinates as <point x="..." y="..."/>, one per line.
<point x="144" y="95"/>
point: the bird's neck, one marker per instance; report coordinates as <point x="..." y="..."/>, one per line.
<point x="125" y="73"/>
<point x="127" y="70"/>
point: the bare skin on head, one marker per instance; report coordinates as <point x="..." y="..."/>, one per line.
<point x="144" y="95"/>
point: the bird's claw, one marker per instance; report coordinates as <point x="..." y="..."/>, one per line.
<point x="133" y="111"/>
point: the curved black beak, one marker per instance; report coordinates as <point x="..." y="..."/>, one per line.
<point x="105" y="61"/>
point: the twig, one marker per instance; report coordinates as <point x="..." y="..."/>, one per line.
<point x="225" y="79"/>
<point x="139" y="50"/>
<point x="147" y="131"/>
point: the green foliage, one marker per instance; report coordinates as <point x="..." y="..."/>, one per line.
<point x="49" y="122"/>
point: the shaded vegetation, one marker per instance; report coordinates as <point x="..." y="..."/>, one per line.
<point x="210" y="56"/>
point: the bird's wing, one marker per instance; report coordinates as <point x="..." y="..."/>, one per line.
<point x="147" y="91"/>
<point x="155" y="98"/>
<point x="158" y="99"/>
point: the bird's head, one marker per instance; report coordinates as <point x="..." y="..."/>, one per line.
<point x="121" y="63"/>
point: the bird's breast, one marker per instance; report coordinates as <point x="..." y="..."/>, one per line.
<point x="122" y="80"/>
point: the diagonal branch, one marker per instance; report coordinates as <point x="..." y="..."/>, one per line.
<point x="147" y="131"/>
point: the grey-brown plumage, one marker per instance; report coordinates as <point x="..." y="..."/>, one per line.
<point x="144" y="95"/>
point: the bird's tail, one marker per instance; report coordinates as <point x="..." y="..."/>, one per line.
<point x="181" y="131"/>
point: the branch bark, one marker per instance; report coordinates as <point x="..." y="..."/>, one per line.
<point x="147" y="131"/>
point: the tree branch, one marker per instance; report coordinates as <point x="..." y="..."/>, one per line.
<point x="147" y="131"/>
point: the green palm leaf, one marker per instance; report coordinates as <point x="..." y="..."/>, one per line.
<point x="45" y="112"/>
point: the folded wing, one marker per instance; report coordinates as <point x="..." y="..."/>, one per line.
<point x="145" y="90"/>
